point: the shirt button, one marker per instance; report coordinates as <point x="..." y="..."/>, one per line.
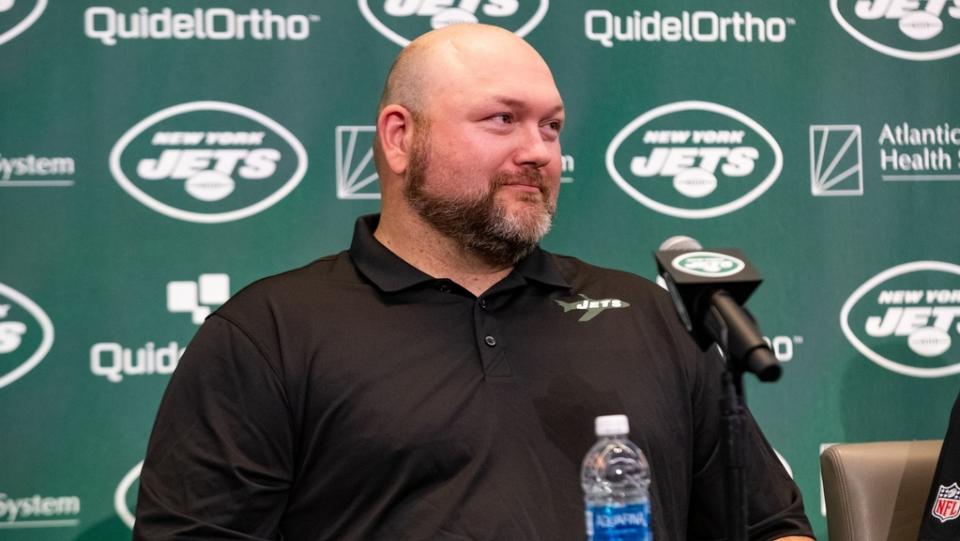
<point x="483" y="303"/>
<point x="491" y="341"/>
<point x="444" y="288"/>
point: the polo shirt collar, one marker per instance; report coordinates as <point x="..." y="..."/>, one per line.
<point x="390" y="273"/>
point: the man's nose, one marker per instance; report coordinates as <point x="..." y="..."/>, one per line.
<point x="533" y="150"/>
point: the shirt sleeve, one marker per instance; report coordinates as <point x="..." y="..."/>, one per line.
<point x="774" y="503"/>
<point x="941" y="516"/>
<point x="219" y="462"/>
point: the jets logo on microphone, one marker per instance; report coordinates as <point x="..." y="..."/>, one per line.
<point x="402" y="20"/>
<point x="708" y="264"/>
<point x="694" y="159"/>
<point x="906" y="29"/>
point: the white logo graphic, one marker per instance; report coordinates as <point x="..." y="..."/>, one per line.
<point x="446" y="12"/>
<point x="708" y="264"/>
<point x="918" y="154"/>
<point x="33" y="171"/>
<point x="13" y="329"/>
<point x="693" y="159"/>
<point x="836" y="171"/>
<point x="591" y="307"/>
<point x="925" y="317"/>
<point x="122" y="492"/>
<point x="356" y="176"/>
<point x="114" y="362"/>
<point x="7" y="5"/>
<point x="207" y="162"/>
<point x="197" y="298"/>
<point x="567" y="165"/>
<point x="783" y="346"/>
<point x="603" y="26"/>
<point x="107" y="25"/>
<point x="38" y="511"/>
<point x="916" y="24"/>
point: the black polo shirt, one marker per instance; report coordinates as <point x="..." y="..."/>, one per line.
<point x="941" y="519"/>
<point x="359" y="398"/>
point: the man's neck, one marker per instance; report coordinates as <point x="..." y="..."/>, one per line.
<point x="437" y="255"/>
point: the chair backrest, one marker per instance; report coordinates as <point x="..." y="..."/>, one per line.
<point x="877" y="491"/>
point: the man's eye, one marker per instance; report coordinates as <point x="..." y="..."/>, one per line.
<point x="504" y="118"/>
<point x="552" y="128"/>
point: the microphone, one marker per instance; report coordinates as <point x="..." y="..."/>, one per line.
<point x="709" y="289"/>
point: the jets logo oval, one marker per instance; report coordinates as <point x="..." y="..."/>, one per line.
<point x="208" y="162"/>
<point x="907" y="30"/>
<point x="907" y="319"/>
<point x="708" y="264"/>
<point x="401" y="21"/>
<point x="694" y="159"/>
<point x="26" y="335"/>
<point x="125" y="495"/>
<point x="23" y="13"/>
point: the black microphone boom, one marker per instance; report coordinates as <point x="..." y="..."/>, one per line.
<point x="709" y="289"/>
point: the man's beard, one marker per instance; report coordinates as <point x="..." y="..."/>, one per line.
<point x="480" y="224"/>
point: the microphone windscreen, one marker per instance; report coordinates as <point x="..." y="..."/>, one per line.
<point x="680" y="242"/>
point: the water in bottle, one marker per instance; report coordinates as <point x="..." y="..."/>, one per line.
<point x="615" y="477"/>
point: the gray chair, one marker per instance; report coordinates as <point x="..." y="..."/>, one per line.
<point x="877" y="491"/>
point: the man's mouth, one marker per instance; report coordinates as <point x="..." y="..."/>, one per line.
<point x="524" y="187"/>
<point x="527" y="181"/>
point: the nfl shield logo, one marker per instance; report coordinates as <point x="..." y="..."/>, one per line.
<point x="947" y="505"/>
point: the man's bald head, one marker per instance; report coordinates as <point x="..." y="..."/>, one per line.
<point x="447" y="61"/>
<point x="441" y="53"/>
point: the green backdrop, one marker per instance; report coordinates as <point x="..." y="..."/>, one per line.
<point x="157" y="156"/>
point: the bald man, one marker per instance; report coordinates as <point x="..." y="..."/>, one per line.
<point x="439" y="379"/>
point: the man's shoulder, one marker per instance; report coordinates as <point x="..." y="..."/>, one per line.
<point x="580" y="274"/>
<point x="322" y="279"/>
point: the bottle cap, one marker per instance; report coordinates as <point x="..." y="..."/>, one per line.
<point x="612" y="425"/>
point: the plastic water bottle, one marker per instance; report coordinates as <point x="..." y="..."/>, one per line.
<point x="615" y="477"/>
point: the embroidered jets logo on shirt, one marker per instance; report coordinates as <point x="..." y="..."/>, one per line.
<point x="947" y="505"/>
<point x="592" y="307"/>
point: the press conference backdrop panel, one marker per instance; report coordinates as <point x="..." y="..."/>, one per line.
<point x="157" y="156"/>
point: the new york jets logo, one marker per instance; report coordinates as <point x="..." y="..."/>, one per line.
<point x="708" y="264"/>
<point x="26" y="335"/>
<point x="17" y="15"/>
<point x="401" y="21"/>
<point x="591" y="308"/>
<point x="906" y="29"/>
<point x="907" y="318"/>
<point x="208" y="162"/>
<point x="694" y="159"/>
<point x="125" y="495"/>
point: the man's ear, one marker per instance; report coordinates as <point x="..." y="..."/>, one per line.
<point x="395" y="131"/>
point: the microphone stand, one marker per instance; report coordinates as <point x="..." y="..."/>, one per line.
<point x="736" y="335"/>
<point x="710" y="309"/>
<point x="736" y="475"/>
